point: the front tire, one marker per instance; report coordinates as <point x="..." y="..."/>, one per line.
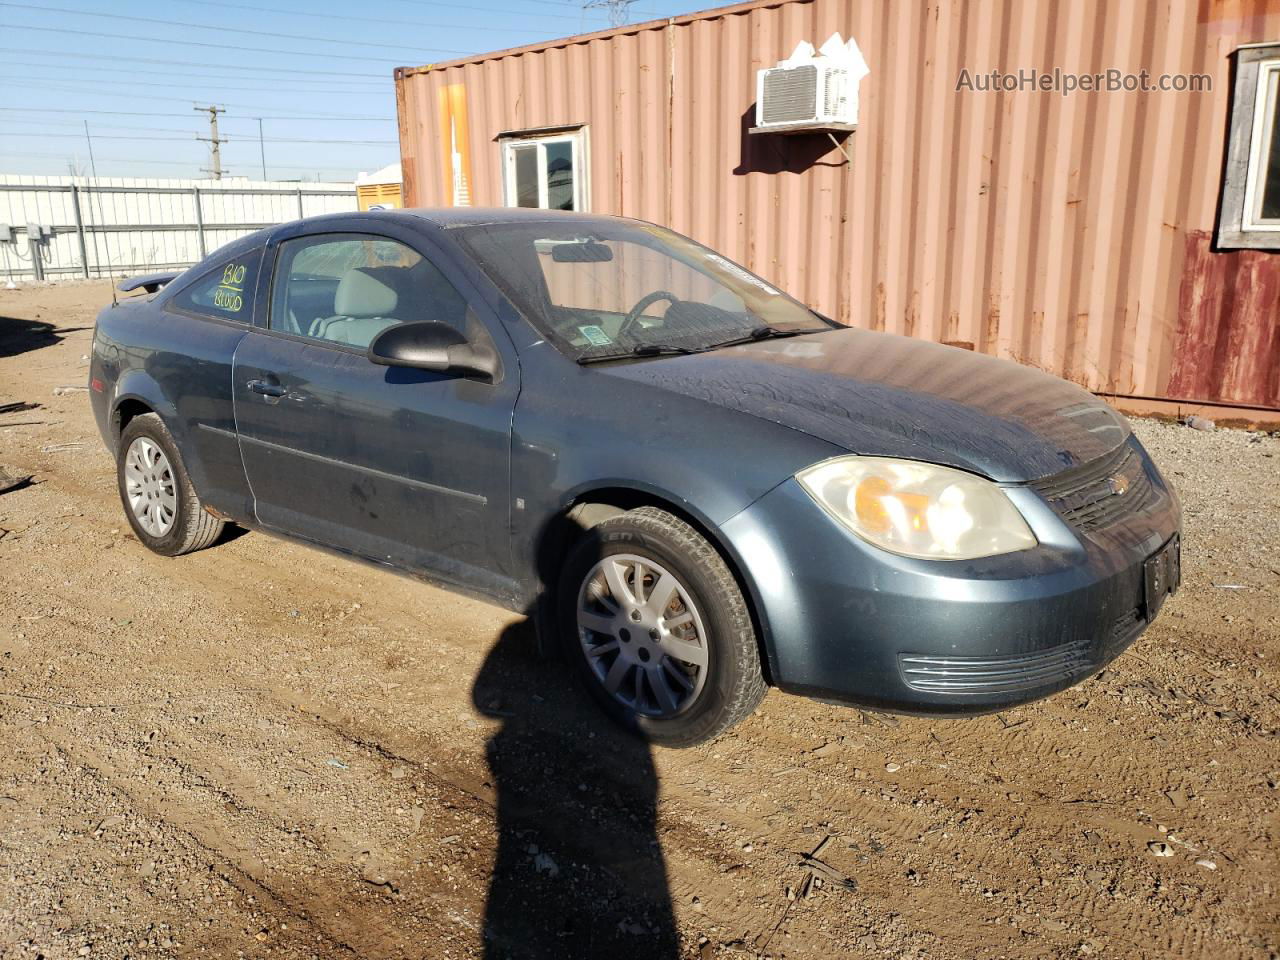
<point x="161" y="505"/>
<point x="658" y="630"/>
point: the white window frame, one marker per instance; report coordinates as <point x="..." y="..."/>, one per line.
<point x="577" y="140"/>
<point x="1264" y="115"/>
<point x="1256" y="90"/>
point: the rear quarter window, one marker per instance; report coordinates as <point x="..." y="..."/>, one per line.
<point x="226" y="291"/>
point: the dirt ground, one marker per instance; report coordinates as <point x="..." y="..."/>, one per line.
<point x="263" y="750"/>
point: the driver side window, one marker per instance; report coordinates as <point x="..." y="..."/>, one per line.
<point x="348" y="288"/>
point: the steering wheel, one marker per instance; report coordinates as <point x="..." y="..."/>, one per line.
<point x="633" y="315"/>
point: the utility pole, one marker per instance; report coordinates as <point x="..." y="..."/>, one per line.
<point x="215" y="154"/>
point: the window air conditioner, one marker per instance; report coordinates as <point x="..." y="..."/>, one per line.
<point x="811" y="90"/>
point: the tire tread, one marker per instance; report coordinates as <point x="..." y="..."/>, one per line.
<point x="749" y="688"/>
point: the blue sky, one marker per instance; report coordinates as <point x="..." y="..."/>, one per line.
<point x="318" y="73"/>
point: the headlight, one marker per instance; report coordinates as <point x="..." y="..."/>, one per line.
<point x="918" y="509"/>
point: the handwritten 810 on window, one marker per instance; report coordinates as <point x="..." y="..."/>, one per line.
<point x="229" y="295"/>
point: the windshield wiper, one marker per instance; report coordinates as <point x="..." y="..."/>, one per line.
<point x="765" y="332"/>
<point x="643" y="350"/>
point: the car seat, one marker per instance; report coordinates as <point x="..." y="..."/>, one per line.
<point x="364" y="305"/>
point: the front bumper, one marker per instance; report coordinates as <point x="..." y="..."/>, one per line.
<point x="843" y="620"/>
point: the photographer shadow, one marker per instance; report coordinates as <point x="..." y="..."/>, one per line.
<point x="579" y="872"/>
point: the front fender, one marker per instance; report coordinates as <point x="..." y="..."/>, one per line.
<point x="582" y="436"/>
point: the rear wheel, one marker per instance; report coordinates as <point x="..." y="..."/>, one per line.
<point x="658" y="629"/>
<point x="159" y="501"/>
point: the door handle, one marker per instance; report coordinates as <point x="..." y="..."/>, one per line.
<point x="266" y="388"/>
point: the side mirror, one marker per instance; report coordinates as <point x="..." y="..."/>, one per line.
<point x="431" y="345"/>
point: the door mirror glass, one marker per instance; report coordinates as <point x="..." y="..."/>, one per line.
<point x="431" y="345"/>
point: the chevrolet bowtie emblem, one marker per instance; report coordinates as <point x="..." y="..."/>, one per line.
<point x="1118" y="484"/>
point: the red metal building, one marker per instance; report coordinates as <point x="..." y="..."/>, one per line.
<point x="1120" y="238"/>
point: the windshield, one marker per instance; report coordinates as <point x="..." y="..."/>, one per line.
<point x="614" y="288"/>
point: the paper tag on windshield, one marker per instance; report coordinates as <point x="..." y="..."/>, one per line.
<point x="595" y="336"/>
<point x="741" y="274"/>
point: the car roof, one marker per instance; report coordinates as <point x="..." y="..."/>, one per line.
<point x="442" y="218"/>
<point x="240" y="244"/>
<point x="448" y="217"/>
<point x="472" y="216"/>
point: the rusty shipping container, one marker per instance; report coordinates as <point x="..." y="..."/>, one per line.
<point x="1073" y="233"/>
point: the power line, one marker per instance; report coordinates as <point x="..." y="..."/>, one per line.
<point x="53" y="87"/>
<point x="76" y="123"/>
<point x="132" y="113"/>
<point x="237" y="137"/>
<point x="241" y="139"/>
<point x="553" y="3"/>
<point x="185" y="63"/>
<point x="165" y="163"/>
<point x="204" y="26"/>
<point x="63" y="156"/>
<point x="571" y="4"/>
<point x="114" y="113"/>
<point x="100" y="136"/>
<point x="381" y="19"/>
<point x="219" y="85"/>
<point x="56" y="86"/>
<point x="133" y="71"/>
<point x="98" y="35"/>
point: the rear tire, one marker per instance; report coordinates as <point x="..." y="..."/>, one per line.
<point x="646" y="603"/>
<point x="159" y="502"/>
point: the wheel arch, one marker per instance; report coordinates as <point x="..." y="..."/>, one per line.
<point x="592" y="506"/>
<point x="126" y="410"/>
<point x="138" y="393"/>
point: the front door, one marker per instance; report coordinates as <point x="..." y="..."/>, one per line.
<point x="407" y="467"/>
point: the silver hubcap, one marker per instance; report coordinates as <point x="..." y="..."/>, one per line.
<point x="150" y="487"/>
<point x="642" y="636"/>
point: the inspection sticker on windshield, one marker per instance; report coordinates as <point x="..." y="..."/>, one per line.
<point x="595" y="336"/>
<point x="741" y="274"/>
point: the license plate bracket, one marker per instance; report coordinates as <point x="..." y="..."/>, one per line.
<point x="1162" y="574"/>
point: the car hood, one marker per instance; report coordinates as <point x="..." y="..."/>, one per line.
<point x="878" y="394"/>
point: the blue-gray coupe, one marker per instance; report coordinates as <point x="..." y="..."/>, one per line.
<point x="696" y="486"/>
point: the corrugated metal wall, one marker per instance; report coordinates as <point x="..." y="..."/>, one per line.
<point x="132" y="223"/>
<point x="1054" y="230"/>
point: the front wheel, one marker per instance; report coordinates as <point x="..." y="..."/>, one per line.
<point x="658" y="629"/>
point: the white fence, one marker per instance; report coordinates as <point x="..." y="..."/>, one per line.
<point x="63" y="227"/>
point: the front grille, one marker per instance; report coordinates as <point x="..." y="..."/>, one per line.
<point x="989" y="675"/>
<point x="1096" y="494"/>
